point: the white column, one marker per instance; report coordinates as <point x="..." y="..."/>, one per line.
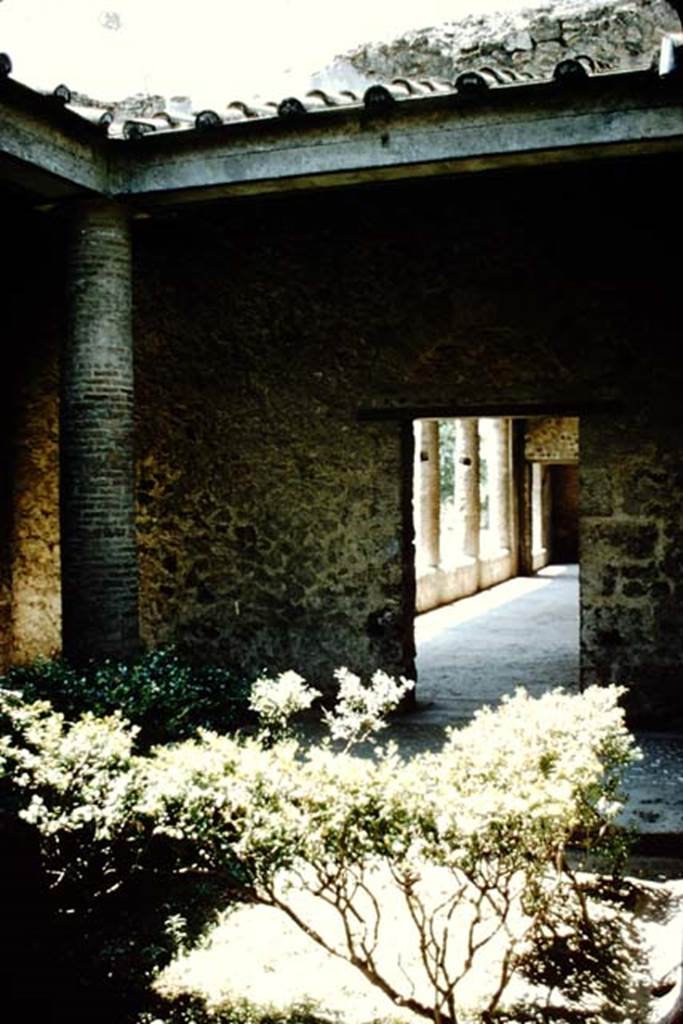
<point x="467" y="486"/>
<point x="499" y="484"/>
<point x="428" y="493"/>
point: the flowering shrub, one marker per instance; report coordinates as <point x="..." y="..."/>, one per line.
<point x="472" y="840"/>
<point x="95" y="883"/>
<point x="76" y="775"/>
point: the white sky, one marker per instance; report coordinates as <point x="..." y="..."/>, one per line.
<point x="211" y="50"/>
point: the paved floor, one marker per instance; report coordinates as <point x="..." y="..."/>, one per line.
<point x="522" y="632"/>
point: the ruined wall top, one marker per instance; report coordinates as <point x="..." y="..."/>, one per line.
<point x="527" y="43"/>
<point x="616" y="34"/>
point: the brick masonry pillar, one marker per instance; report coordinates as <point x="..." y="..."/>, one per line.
<point x="97" y="513"/>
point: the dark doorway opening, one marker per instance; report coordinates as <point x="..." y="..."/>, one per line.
<point x="564" y="515"/>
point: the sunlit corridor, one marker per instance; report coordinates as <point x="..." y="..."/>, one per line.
<point x="522" y="632"/>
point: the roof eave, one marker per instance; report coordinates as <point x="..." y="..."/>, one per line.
<point x="60" y="155"/>
<point x="627" y="114"/>
<point x="46" y="149"/>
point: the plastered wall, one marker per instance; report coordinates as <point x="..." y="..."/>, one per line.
<point x="30" y="614"/>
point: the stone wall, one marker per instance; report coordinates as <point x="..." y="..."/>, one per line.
<point x="615" y="34"/>
<point x="273" y="514"/>
<point x="445" y="585"/>
<point x="36" y="596"/>
<point x="631" y="561"/>
<point x="271" y="521"/>
<point x="6" y="427"/>
<point x="552" y="439"/>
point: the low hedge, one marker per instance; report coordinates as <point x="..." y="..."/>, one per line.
<point x="166" y="697"/>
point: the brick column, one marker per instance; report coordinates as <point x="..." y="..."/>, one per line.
<point x="467" y="500"/>
<point x="98" y="551"/>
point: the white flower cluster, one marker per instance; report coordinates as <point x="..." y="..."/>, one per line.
<point x="75" y="774"/>
<point x="360" y="710"/>
<point x="553" y="761"/>
<point x="276" y="700"/>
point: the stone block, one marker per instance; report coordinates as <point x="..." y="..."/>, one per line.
<point x="546" y="29"/>
<point x="619" y="539"/>
<point x="635" y="588"/>
<point x="646" y="490"/>
<point x="609" y="581"/>
<point x="616" y="626"/>
<point x="672" y="560"/>
<point x="597" y="492"/>
<point x="520" y="40"/>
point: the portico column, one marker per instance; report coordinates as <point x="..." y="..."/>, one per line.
<point x="98" y="550"/>
<point x="430" y="493"/>
<point x="499" y="489"/>
<point x="467" y="500"/>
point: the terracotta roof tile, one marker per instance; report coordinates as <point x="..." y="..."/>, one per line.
<point x="141" y="116"/>
<point x="320" y="98"/>
<point x="124" y="124"/>
<point x="252" y="110"/>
